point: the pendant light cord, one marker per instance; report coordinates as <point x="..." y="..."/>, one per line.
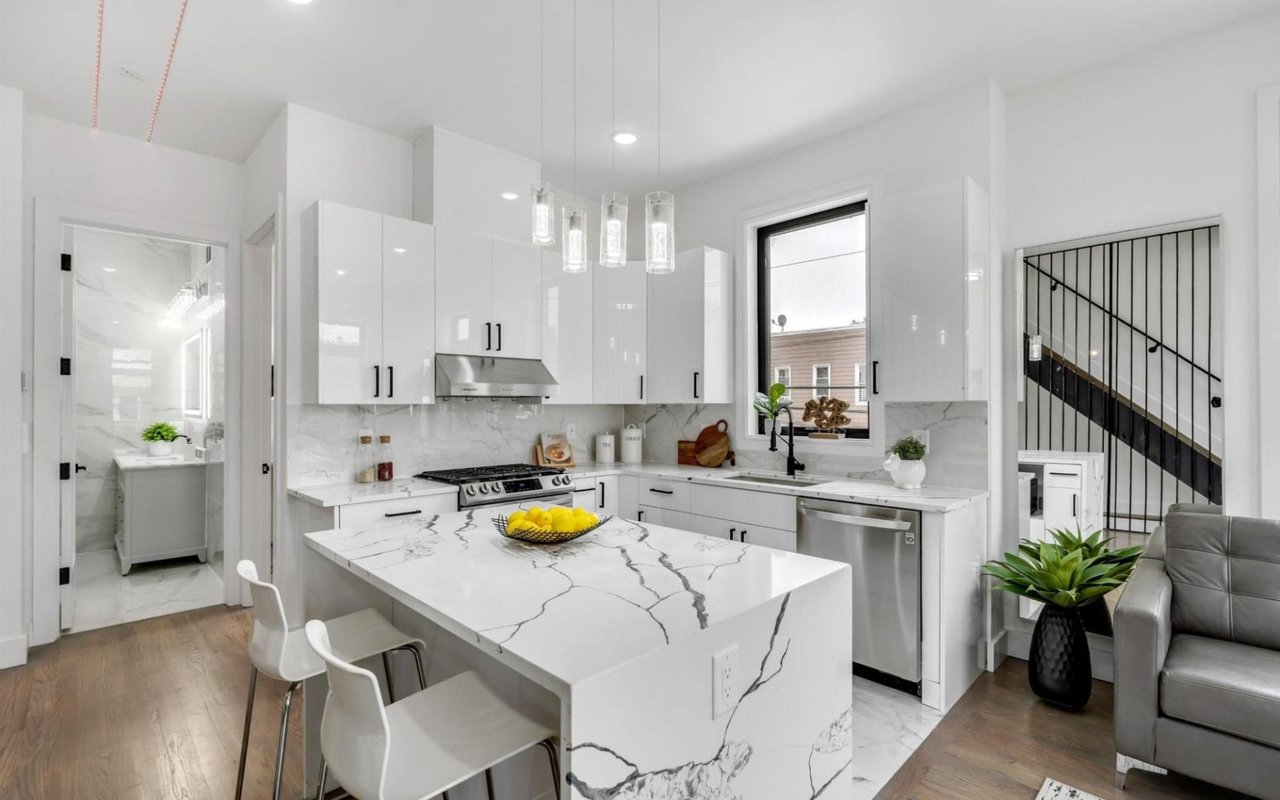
<point x="613" y="91"/>
<point x="659" y="4"/>
<point x="542" y="87"/>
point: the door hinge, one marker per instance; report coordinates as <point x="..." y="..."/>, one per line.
<point x="64" y="471"/>
<point x="266" y="469"/>
<point x="66" y="262"/>
<point x="64" y="366"/>
<point x="64" y="576"/>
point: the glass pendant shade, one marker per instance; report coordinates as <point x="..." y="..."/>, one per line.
<point x="613" y="229"/>
<point x="574" y="241"/>
<point x="544" y="213"/>
<point x="659" y="232"/>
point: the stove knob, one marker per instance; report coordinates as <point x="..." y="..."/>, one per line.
<point x="484" y="488"/>
<point x="563" y="480"/>
<point x="496" y="488"/>
<point x="471" y="490"/>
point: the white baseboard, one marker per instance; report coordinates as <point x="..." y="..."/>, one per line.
<point x="13" y="651"/>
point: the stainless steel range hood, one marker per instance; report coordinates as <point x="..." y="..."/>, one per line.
<point x="486" y="376"/>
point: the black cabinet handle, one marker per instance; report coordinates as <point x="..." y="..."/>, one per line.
<point x="661" y="491"/>
<point x="601" y="494"/>
<point x="499" y="327"/>
<point x="83" y="468"/>
<point x="1073" y="504"/>
<point x="641" y="387"/>
<point x="403" y="513"/>
<point x="875" y="377"/>
<point x="1064" y="474"/>
<point x="640" y="515"/>
<point x="488" y="336"/>
<point x="732" y="531"/>
<point x="377" y="380"/>
<point x="695" y="386"/>
<point x="391" y="381"/>
<point x="742" y="535"/>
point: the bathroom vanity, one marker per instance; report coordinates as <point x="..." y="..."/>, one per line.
<point x="160" y="510"/>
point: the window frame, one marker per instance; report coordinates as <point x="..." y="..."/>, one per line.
<point x="815" y="386"/>
<point x="860" y="383"/>
<point x="762" y="299"/>
<point x="787" y="382"/>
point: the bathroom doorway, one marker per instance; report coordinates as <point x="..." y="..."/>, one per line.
<point x="145" y="409"/>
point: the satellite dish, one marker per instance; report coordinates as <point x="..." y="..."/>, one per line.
<point x="782" y="321"/>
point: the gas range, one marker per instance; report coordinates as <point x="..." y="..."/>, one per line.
<point x="504" y="484"/>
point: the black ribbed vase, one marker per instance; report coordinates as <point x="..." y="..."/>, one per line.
<point x="1059" y="669"/>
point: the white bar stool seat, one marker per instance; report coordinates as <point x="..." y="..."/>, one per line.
<point x="423" y="745"/>
<point x="284" y="654"/>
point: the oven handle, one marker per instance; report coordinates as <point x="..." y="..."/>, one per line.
<point x="850" y="519"/>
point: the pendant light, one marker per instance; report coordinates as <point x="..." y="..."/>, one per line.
<point x="574" y="215"/>
<point x="659" y="207"/>
<point x="613" y="205"/>
<point x="543" y="193"/>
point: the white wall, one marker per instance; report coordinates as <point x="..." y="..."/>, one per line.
<point x="13" y="638"/>
<point x="1165" y="135"/>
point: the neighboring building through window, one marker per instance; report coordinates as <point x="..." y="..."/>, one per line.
<point x="812" y="310"/>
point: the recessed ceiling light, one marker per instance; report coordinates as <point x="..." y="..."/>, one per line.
<point x="625" y="137"/>
<point x="341" y="272"/>
<point x="510" y="196"/>
<point x="300" y="2"/>
<point x="108" y="269"/>
<point x="399" y="250"/>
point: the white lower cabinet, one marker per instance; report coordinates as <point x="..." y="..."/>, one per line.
<point x="667" y="518"/>
<point x="362" y="515"/>
<point x="160" y="513"/>
<point x="598" y="495"/>
<point x="745" y="515"/>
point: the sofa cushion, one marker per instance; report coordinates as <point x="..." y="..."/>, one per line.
<point x="1232" y="688"/>
<point x="1226" y="577"/>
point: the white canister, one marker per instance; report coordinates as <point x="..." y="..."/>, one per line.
<point x="632" y="444"/>
<point x="604" y="448"/>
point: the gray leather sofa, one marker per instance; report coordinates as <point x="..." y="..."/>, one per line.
<point x="1197" y="654"/>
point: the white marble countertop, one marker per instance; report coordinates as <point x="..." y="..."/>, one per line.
<point x="1057" y="455"/>
<point x="566" y="612"/>
<point x="148" y="462"/>
<point x="930" y="498"/>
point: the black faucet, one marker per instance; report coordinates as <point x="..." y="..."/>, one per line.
<point x="793" y="465"/>
<point x="182" y="436"/>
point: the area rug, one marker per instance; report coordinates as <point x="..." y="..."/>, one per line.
<point x="1057" y="790"/>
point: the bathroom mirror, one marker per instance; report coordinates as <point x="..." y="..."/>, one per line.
<point x="195" y="371"/>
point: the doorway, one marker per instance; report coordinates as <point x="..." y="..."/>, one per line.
<point x="145" y="412"/>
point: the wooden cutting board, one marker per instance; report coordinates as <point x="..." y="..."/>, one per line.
<point x="712" y="445"/>
<point x="685" y="453"/>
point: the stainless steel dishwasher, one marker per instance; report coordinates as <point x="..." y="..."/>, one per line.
<point x="883" y="546"/>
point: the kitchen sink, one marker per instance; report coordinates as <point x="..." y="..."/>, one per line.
<point x="778" y="480"/>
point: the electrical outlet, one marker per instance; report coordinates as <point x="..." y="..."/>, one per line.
<point x="571" y="430"/>
<point x="923" y="436"/>
<point x="724" y="692"/>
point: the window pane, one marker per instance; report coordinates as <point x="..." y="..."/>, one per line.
<point x="817" y="310"/>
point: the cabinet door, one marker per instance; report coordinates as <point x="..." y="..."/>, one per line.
<point x="408" y="312"/>
<point x="674" y="333"/>
<point x="606" y="496"/>
<point x="667" y="518"/>
<point x="1061" y="508"/>
<point x="620" y="301"/>
<point x="464" y="292"/>
<point x="517" y="300"/>
<point x="468" y="181"/>
<point x="585" y="497"/>
<point x="349" y="304"/>
<point x="567" y="332"/>
<point x="917" y="277"/>
<point x="766" y="537"/>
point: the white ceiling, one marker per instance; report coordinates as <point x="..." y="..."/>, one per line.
<point x="741" y="78"/>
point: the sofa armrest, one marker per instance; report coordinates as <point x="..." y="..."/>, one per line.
<point x="1143" y="627"/>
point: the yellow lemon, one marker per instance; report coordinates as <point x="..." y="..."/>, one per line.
<point x="517" y="516"/>
<point x="532" y="511"/>
<point x="563" y="524"/>
<point x="560" y="511"/>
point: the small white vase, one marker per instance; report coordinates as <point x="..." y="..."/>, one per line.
<point x="160" y="448"/>
<point x="905" y="474"/>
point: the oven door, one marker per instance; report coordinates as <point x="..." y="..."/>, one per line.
<point x="505" y="508"/>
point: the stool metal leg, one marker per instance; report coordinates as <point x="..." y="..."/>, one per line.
<point x="244" y="739"/>
<point x="417" y="662"/>
<point x="324" y="776"/>
<point x="386" y="668"/>
<point x="284" y="734"/>
<point x="488" y="782"/>
<point x="553" y="758"/>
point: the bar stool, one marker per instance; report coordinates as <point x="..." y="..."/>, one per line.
<point x="283" y="654"/>
<point x="420" y="746"/>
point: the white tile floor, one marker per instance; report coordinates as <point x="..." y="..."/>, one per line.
<point x="105" y="597"/>
<point x="890" y="726"/>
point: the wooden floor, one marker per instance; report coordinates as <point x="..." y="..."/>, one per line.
<point x="1000" y="741"/>
<point x="146" y="710"/>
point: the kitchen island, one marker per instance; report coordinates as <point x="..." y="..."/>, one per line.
<point x="611" y="638"/>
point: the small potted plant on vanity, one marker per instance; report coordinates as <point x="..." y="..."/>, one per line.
<point x="159" y="437"/>
<point x="1067" y="575"/>
<point x="906" y="463"/>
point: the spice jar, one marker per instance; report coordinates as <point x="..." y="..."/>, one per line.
<point x="366" y="461"/>
<point x="386" y="471"/>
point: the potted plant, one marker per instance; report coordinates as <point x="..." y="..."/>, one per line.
<point x="1095" y="614"/>
<point x="1064" y="578"/>
<point x="906" y="463"/>
<point x="159" y="437"/>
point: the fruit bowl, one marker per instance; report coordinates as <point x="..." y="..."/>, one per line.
<point x="541" y="535"/>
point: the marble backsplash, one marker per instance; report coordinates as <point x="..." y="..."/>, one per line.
<point x="957" y="440"/>
<point x="452" y="433"/>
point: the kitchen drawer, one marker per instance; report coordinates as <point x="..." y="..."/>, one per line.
<point x="679" y="520"/>
<point x="767" y="537"/>
<point x="659" y="493"/>
<point x="361" y="515"/>
<point x="744" y="505"/>
<point x="1062" y="476"/>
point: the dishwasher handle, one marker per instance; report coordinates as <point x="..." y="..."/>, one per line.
<point x="850" y="519"/>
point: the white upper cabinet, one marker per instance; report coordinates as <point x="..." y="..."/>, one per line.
<point x="370" y="305"/>
<point x="464" y="292"/>
<point x="517" y="299"/>
<point x="408" y="298"/>
<point x="567" y="330"/>
<point x="620" y="324"/>
<point x="488" y="295"/>
<point x="928" y="313"/>
<point x="690" y="330"/>
<point x="460" y="183"/>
